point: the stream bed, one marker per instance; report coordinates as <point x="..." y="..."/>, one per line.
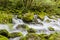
<point x="40" y="26"/>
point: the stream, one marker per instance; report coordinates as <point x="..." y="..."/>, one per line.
<point x="40" y="26"/>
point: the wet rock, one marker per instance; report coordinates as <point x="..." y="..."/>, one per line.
<point x="4" y="33"/>
<point x="15" y="34"/>
<point x="28" y="17"/>
<point x="31" y="30"/>
<point x="51" y="29"/>
<point x="31" y="36"/>
<point x="23" y="26"/>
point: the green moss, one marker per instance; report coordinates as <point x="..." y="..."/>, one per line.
<point x="41" y="15"/>
<point x="31" y="36"/>
<point x="52" y="36"/>
<point x="31" y="30"/>
<point x="5" y="18"/>
<point x="23" y="26"/>
<point x="4" y="33"/>
<point x="19" y="16"/>
<point x="48" y="21"/>
<point x="28" y="17"/>
<point x="51" y="29"/>
<point x="43" y="36"/>
<point x="3" y="38"/>
<point x="15" y="34"/>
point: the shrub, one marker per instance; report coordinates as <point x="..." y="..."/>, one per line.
<point x="5" y="18"/>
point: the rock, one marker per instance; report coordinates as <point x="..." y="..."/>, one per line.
<point x="23" y="26"/>
<point x="15" y="34"/>
<point x="4" y="33"/>
<point x="51" y="29"/>
<point x="28" y="17"/>
<point x="31" y="36"/>
<point x="31" y="30"/>
<point x="3" y="38"/>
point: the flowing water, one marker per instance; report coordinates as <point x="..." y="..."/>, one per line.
<point x="40" y="26"/>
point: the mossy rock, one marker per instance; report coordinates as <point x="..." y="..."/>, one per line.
<point x="31" y="30"/>
<point x="23" y="26"/>
<point x="41" y="15"/>
<point x="15" y="34"/>
<point x="31" y="36"/>
<point x="4" y="33"/>
<point x="43" y="36"/>
<point x="19" y="16"/>
<point x="53" y="36"/>
<point x="48" y="21"/>
<point x="51" y="29"/>
<point x="28" y="17"/>
<point x="3" y="38"/>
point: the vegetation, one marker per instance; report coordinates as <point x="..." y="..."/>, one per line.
<point x="51" y="29"/>
<point x="4" y="33"/>
<point x="22" y="8"/>
<point x="3" y="38"/>
<point x="31" y="30"/>
<point x="33" y="36"/>
<point x="15" y="34"/>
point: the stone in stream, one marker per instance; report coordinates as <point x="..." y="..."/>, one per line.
<point x="31" y="30"/>
<point x="51" y="29"/>
<point x="28" y="17"/>
<point x="30" y="36"/>
<point x="23" y="26"/>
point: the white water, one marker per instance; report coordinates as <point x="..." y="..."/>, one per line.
<point x="40" y="26"/>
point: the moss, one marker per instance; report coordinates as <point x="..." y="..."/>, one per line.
<point x="52" y="36"/>
<point x="19" y="16"/>
<point x="41" y="15"/>
<point x="4" y="33"/>
<point x="28" y="17"/>
<point x="43" y="36"/>
<point x="5" y="18"/>
<point x="3" y="38"/>
<point x="51" y="29"/>
<point x="31" y="36"/>
<point x="23" y="26"/>
<point x="31" y="30"/>
<point x="15" y="34"/>
<point x="48" y="21"/>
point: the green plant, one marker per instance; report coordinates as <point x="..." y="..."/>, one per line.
<point x="5" y="18"/>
